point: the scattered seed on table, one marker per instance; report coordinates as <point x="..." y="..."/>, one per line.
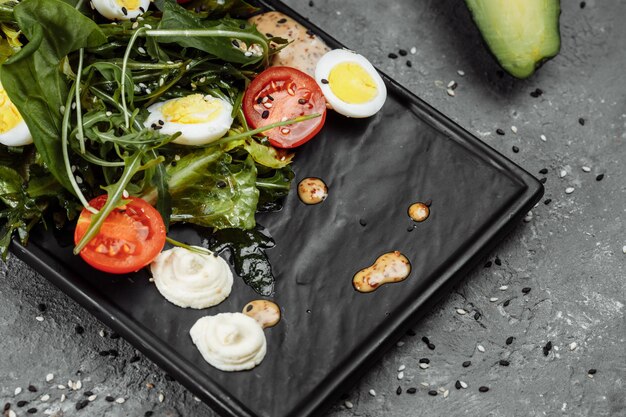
<point x="547" y="348"/>
<point x="7" y="406"/>
<point x="431" y="346"/>
<point x="446" y="393"/>
<point x="409" y="63"/>
<point x="504" y="362"/>
<point x="17" y="391"/>
<point x="92" y="397"/>
<point x="31" y="410"/>
<point x="543" y="180"/>
<point x="22" y="403"/>
<point x="452" y="84"/>
<point x="161" y="397"/>
<point x="515" y="149"/>
<point x="543" y="138"/>
<point x="400" y="375"/>
<point x="82" y="404"/>
<point x="450" y="92"/>
<point x="32" y="388"/>
<point x="120" y="400"/>
<point x="401" y="368"/>
<point x="543" y="171"/>
<point x="483" y="389"/>
<point x="432" y="392"/>
<point x="547" y="201"/>
<point x="413" y="50"/>
<point x="493" y="299"/>
<point x="457" y="384"/>
<point x="45" y="398"/>
<point x="500" y="132"/>
<point x="509" y="340"/>
<point x="372" y="393"/>
<point x="411" y="390"/>
<point x="477" y="316"/>
<point x="425" y="384"/>
<point x="403" y="52"/>
<point x="569" y="190"/>
<point x="109" y="399"/>
<point x="79" y="329"/>
<point x="573" y="346"/>
<point x="581" y="121"/>
<point x="592" y="371"/>
<point x="488" y="264"/>
<point x="392" y="55"/>
<point x="398" y="390"/>
<point x="466" y="364"/>
<point x="39" y="318"/>
<point x="526" y="290"/>
<point x="600" y="177"/>
<point x="62" y="397"/>
<point x="504" y="287"/>
<point x="514" y="129"/>
<point x="348" y="405"/>
<point x="506" y="303"/>
<point x="424" y="360"/>
<point x="586" y="169"/>
<point x="425" y="339"/>
<point x="42" y="307"/>
<point x="461" y="311"/>
<point x="498" y="261"/>
<point x="463" y="384"/>
<point x="424" y="365"/>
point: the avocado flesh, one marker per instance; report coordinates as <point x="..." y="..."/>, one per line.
<point x="521" y="34"/>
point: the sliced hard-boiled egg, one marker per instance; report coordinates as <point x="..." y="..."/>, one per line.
<point x="350" y="83"/>
<point x="13" y="129"/>
<point x="200" y="119"/>
<point x="120" y="9"/>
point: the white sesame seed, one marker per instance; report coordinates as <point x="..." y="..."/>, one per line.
<point x="451" y="84"/>
<point x="372" y="393"/>
<point x="12" y="413"/>
<point x="514" y="129"/>
<point x="425" y="384"/>
<point x="161" y="81"/>
<point x="461" y="311"/>
<point x="424" y="365"/>
<point x="125" y="194"/>
<point x="45" y="398"/>
<point x="18" y="390"/>
<point x="161" y="397"/>
<point x="101" y="333"/>
<point x="413" y="50"/>
<point x="481" y="348"/>
<point x="563" y="173"/>
<point x="400" y="375"/>
<point x="147" y="26"/>
<point x="401" y="368"/>
<point x="141" y="50"/>
<point x="573" y="346"/>
<point x="151" y="279"/>
<point x="543" y="138"/>
<point x="586" y="169"/>
<point x="63" y="397"/>
<point x="493" y="299"/>
<point x="197" y="399"/>
<point x="92" y="397"/>
<point x="74" y="106"/>
<point x="450" y="92"/>
<point x="49" y="377"/>
<point x="348" y="405"/>
<point x="461" y="73"/>
<point x="78" y="385"/>
<point x="62" y="109"/>
<point x="285" y="131"/>
<point x="442" y="389"/>
<point x="60" y="386"/>
<point x="569" y="190"/>
<point x="148" y="91"/>
<point x="120" y="400"/>
<point x="624" y="249"/>
<point x="135" y="25"/>
<point x="39" y="318"/>
<point x="79" y="180"/>
<point x="463" y="384"/>
<point x="400" y="344"/>
<point x="248" y="53"/>
<point x="529" y="217"/>
<point x="446" y="393"/>
<point x="108" y="114"/>
<point x="267" y="105"/>
<point x="504" y="287"/>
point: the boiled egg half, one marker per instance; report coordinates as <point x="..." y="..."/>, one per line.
<point x="200" y="119"/>
<point x="350" y="83"/>
<point x="121" y="9"/>
<point x="13" y="129"/>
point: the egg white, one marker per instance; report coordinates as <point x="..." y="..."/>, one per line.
<point x="113" y="11"/>
<point x="193" y="133"/>
<point x="18" y="136"/>
<point x="360" y="110"/>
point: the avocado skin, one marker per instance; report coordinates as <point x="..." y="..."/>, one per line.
<point x="520" y="34"/>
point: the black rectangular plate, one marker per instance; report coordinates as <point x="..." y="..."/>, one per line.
<point x="330" y="334"/>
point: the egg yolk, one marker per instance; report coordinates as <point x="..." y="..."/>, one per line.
<point x="129" y="4"/>
<point x="9" y="116"/>
<point x="192" y="109"/>
<point x="351" y="83"/>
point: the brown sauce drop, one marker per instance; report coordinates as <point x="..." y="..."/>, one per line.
<point x="419" y="212"/>
<point x="265" y="312"/>
<point x="312" y="191"/>
<point x="388" y="268"/>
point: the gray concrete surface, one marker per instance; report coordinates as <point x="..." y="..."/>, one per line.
<point x="569" y="253"/>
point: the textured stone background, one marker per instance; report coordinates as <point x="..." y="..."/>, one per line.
<point x="569" y="253"/>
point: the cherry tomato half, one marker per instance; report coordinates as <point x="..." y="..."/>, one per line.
<point x="283" y="93"/>
<point x="129" y="239"/>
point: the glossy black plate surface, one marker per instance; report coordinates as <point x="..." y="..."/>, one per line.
<point x="330" y="334"/>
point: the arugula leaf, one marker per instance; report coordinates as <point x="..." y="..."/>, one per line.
<point x="33" y="77"/>
<point x="209" y="189"/>
<point x="262" y="154"/>
<point x="220" y="8"/>
<point x="273" y="189"/>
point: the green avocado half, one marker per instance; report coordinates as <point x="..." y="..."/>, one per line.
<point x="521" y="34"/>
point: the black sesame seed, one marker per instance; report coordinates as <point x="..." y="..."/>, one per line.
<point x="432" y="392"/>
<point x="109" y="399"/>
<point x="42" y="307"/>
<point x="600" y="177"/>
<point x="515" y="149"/>
<point x="526" y="290"/>
<point x="148" y="413"/>
<point x="324" y="81"/>
<point x="543" y="180"/>
<point x="457" y="384"/>
<point x="547" y="201"/>
<point x="362" y="222"/>
<point x="87" y="393"/>
<point x="488" y="264"/>
<point x="242" y="26"/>
<point x="22" y="403"/>
<point x="409" y="64"/>
<point x="428" y="202"/>
<point x="302" y="101"/>
<point x="235" y="43"/>
<point x="249" y="308"/>
<point x="7" y="406"/>
<point x="309" y="32"/>
<point x="311" y="4"/>
<point x="431" y="346"/>
<point x="221" y="184"/>
<point x="547" y="348"/>
<point x="283" y="20"/>
<point x="31" y="410"/>
<point x="269" y="35"/>
<point x="259" y="100"/>
<point x="582" y="4"/>
<point x="142" y="10"/>
<point x="498" y="261"/>
<point x="125" y="11"/>
<point x="411" y="390"/>
<point x="425" y="339"/>
<point x="103" y="353"/>
<point x="398" y="390"/>
<point x="411" y="332"/>
<point x="543" y="171"/>
<point x="82" y="404"/>
<point x="32" y="388"/>
<point x="174" y="163"/>
<point x="403" y="52"/>
<point x="539" y="91"/>
<point x="504" y="362"/>
<point x="424" y="360"/>
<point x="270" y="98"/>
<point x="392" y="55"/>
<point x="581" y="121"/>
<point x="592" y="371"/>
<point x="534" y="94"/>
<point x="477" y="316"/>
<point x="79" y="329"/>
<point x="466" y="364"/>
<point x="265" y="114"/>
<point x="509" y="340"/>
<point x="506" y="303"/>
<point x="134" y="359"/>
<point x="483" y="389"/>
<point x="500" y="132"/>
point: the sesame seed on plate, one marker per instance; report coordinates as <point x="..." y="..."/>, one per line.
<point x="425" y="384"/>
<point x="411" y="390"/>
<point x="49" y="377"/>
<point x="543" y="138"/>
<point x="493" y="299"/>
<point x="120" y="400"/>
<point x="586" y="169"/>
<point x="45" y="398"/>
<point x="432" y="392"/>
<point x="31" y="410"/>
<point x="63" y="397"/>
<point x="392" y="55"/>
<point x="592" y="371"/>
<point x="413" y="50"/>
<point x="446" y="393"/>
<point x="461" y="311"/>
<point x="399" y="390"/>
<point x="514" y="129"/>
<point x="581" y="121"/>
<point x="17" y="391"/>
<point x="500" y="132"/>
<point x="60" y="386"/>
<point x="480" y="348"/>
<point x="32" y="388"/>
<point x="372" y="393"/>
<point x="424" y="365"/>
<point x="452" y="84"/>
<point x="461" y="73"/>
<point x="504" y="362"/>
<point x="562" y="173"/>
<point x="504" y="287"/>
<point x="451" y="92"/>
<point x="547" y="348"/>
<point x="543" y="171"/>
<point x="402" y="52"/>
<point x="424" y="360"/>
<point x="600" y="177"/>
<point x="348" y="405"/>
<point x="39" y="318"/>
<point x="509" y="340"/>
<point x="92" y="397"/>
<point x="573" y="346"/>
<point x="400" y="375"/>
<point x="515" y="149"/>
<point x="401" y="368"/>
<point x="569" y="190"/>
<point x="483" y="389"/>
<point x="431" y="346"/>
<point x="457" y="384"/>
<point x="466" y="364"/>
<point x="529" y="217"/>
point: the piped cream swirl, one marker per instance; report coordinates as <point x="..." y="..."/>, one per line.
<point x="190" y="279"/>
<point x="230" y="341"/>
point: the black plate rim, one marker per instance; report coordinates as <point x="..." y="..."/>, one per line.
<point x="531" y="191"/>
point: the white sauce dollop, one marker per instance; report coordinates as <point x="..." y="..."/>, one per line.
<point x="190" y="279"/>
<point x="230" y="341"/>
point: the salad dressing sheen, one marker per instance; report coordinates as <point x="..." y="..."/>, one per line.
<point x="419" y="211"/>
<point x="312" y="190"/>
<point x="265" y="312"/>
<point x="388" y="268"/>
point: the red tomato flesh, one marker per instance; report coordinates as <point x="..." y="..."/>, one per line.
<point x="284" y="93"/>
<point x="129" y="239"/>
